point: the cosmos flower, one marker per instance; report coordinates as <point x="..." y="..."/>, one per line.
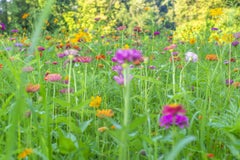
<point x="190" y="56"/>
<point x="173" y="114"/>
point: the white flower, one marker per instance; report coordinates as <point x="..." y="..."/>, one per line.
<point x="190" y="56"/>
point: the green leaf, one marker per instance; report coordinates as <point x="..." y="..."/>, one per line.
<point x="83" y="125"/>
<point x="66" y="145"/>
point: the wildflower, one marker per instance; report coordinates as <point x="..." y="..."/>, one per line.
<point x="229" y="82"/>
<point x="40" y="48"/>
<point x="128" y="55"/>
<point x="192" y="41"/>
<point x="235" y="43"/>
<point x="52" y="77"/>
<point x="210" y="155"/>
<point x="104" y="113"/>
<point x="102" y="129"/>
<point x="1" y="66"/>
<point x="100" y="65"/>
<point x="120" y="79"/>
<point x="66" y="90"/>
<point x="61" y="55"/>
<point x="137" y="29"/>
<point x="172" y="46"/>
<point x="152" y="67"/>
<point x="236" y="35"/>
<point x="121" y="28"/>
<point x="32" y="87"/>
<point x="236" y="69"/>
<point x="156" y="33"/>
<point x="14" y="30"/>
<point x="18" y="45"/>
<point x="95" y="102"/>
<point x="25" y="153"/>
<point x="2" y="26"/>
<point x="54" y="62"/>
<point x="174" y="53"/>
<point x="190" y="56"/>
<point x="211" y="57"/>
<point x="216" y="12"/>
<point x="25" y="15"/>
<point x="236" y="84"/>
<point x="214" y="29"/>
<point x="48" y="37"/>
<point x="173" y="114"/>
<point x="82" y="59"/>
<point x="174" y="58"/>
<point x="100" y="56"/>
<point x="73" y="52"/>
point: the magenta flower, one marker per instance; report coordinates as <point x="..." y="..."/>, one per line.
<point x="2" y="26"/>
<point x="156" y="33"/>
<point x="118" y="69"/>
<point x="173" y="114"/>
<point x="40" y="48"/>
<point x="235" y="43"/>
<point x="128" y="55"/>
<point x="229" y="82"/>
<point x="14" y="30"/>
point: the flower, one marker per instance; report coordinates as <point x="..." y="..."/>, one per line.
<point x="173" y="114"/>
<point x="18" y="45"/>
<point x="2" y="26"/>
<point x="52" y="77"/>
<point x="73" y="52"/>
<point x="236" y="84"/>
<point x="214" y="29"/>
<point x="104" y="113"/>
<point x="1" y="66"/>
<point x="100" y="56"/>
<point x="210" y="155"/>
<point x="229" y="82"/>
<point x="174" y="58"/>
<point x="95" y="102"/>
<point x="25" y="153"/>
<point x="32" y="88"/>
<point x="156" y="33"/>
<point x="172" y="46"/>
<point x="25" y="15"/>
<point x="211" y="57"/>
<point x="236" y="35"/>
<point x="27" y="69"/>
<point x="235" y="43"/>
<point x="66" y="90"/>
<point x="121" y="28"/>
<point x="127" y="55"/>
<point x="82" y="59"/>
<point x="14" y="30"/>
<point x="216" y="12"/>
<point x="190" y="56"/>
<point x="102" y="129"/>
<point x="40" y="48"/>
<point x="192" y="41"/>
<point x="137" y="29"/>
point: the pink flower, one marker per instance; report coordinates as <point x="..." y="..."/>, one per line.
<point x="172" y="46"/>
<point x="52" y="77"/>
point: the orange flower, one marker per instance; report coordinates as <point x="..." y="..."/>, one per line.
<point x="100" y="65"/>
<point x="32" y="87"/>
<point x="236" y="84"/>
<point x="175" y="58"/>
<point x="104" y="113"/>
<point x="25" y="15"/>
<point x="48" y="37"/>
<point x="211" y="57"/>
<point x="192" y="41"/>
<point x="1" y="66"/>
<point x="102" y="129"/>
<point x="100" y="56"/>
<point x="25" y="153"/>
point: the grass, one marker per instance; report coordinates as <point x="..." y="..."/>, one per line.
<point x="54" y="125"/>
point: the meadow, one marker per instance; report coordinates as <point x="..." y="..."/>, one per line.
<point x="139" y="95"/>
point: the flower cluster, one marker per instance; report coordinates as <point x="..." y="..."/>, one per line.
<point x="173" y="114"/>
<point x="95" y="102"/>
<point x="124" y="57"/>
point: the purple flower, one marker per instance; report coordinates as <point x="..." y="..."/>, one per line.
<point x="173" y="114"/>
<point x="117" y="68"/>
<point x="66" y="90"/>
<point x="40" y="48"/>
<point x="214" y="29"/>
<point x="181" y="121"/>
<point x="70" y="52"/>
<point x="18" y="45"/>
<point x="119" y="79"/>
<point x="14" y="30"/>
<point x="128" y="55"/>
<point x="152" y="67"/>
<point x="229" y="82"/>
<point x="2" y="26"/>
<point x="235" y="43"/>
<point x="190" y="56"/>
<point x="174" y="53"/>
<point x="166" y="121"/>
<point x="236" y="35"/>
<point x="156" y="33"/>
<point x="61" y="55"/>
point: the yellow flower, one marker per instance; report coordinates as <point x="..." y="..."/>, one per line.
<point x="228" y="38"/>
<point x="104" y="113"/>
<point x="126" y="46"/>
<point x="25" y="15"/>
<point x="95" y="102"/>
<point x="25" y="153"/>
<point x="216" y="12"/>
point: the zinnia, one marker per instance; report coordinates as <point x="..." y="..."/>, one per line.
<point x="95" y="102"/>
<point x="32" y="87"/>
<point x="52" y="77"/>
<point x="211" y="57"/>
